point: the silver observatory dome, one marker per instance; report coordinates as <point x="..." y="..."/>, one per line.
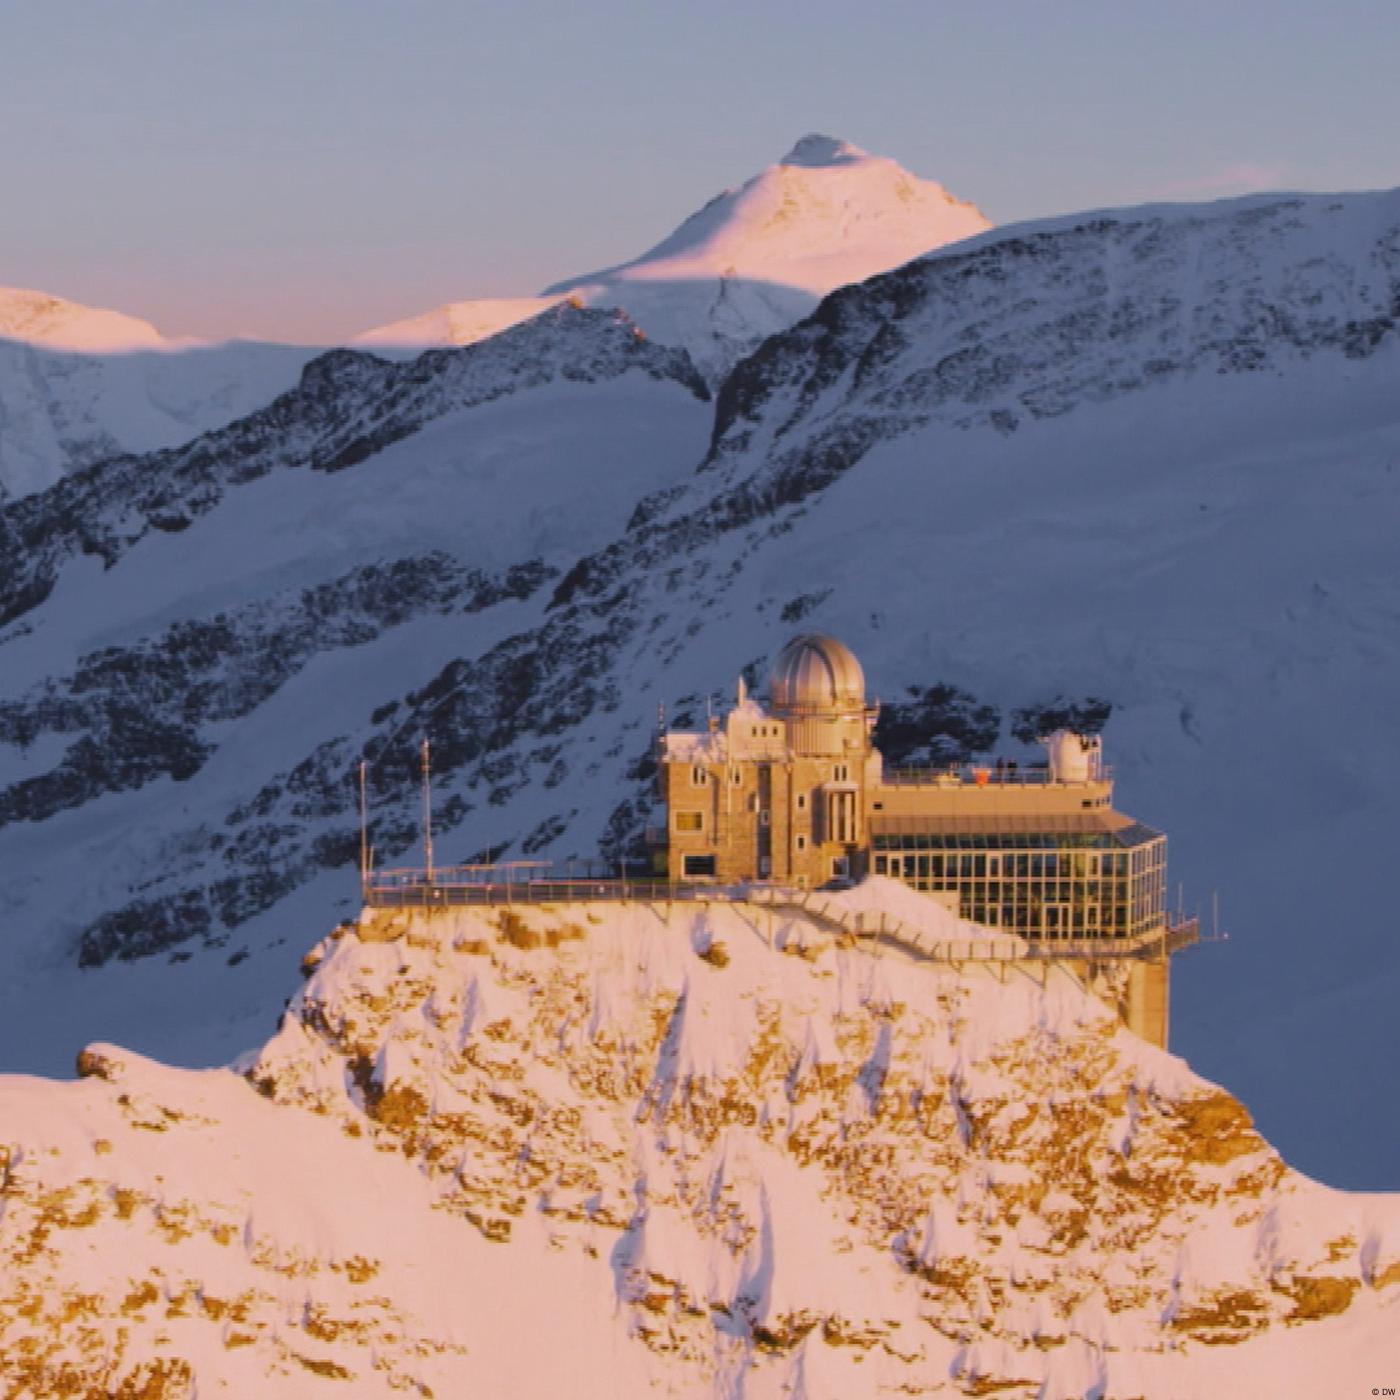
<point x="815" y="674"/>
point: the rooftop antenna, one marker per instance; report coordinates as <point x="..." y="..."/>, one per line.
<point x="427" y="811"/>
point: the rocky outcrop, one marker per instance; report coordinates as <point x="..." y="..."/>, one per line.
<point x="717" y="1150"/>
<point x="137" y="713"/>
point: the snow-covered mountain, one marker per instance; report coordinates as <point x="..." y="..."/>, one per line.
<point x="607" y="1150"/>
<point x="750" y="263"/>
<point x="78" y="383"/>
<point x="1148" y="456"/>
<point x="39" y="319"/>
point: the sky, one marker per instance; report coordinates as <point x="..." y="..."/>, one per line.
<point x="306" y="169"/>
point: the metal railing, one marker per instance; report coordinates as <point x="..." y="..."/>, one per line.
<point x="989" y="775"/>
<point x="492" y="886"/>
<point x="412" y="889"/>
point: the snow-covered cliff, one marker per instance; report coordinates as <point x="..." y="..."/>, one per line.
<point x="703" y="1150"/>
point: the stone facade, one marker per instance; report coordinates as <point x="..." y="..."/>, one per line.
<point x="780" y="792"/>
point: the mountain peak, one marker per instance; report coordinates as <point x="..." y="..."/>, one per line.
<point x="38" y="318"/>
<point x="758" y="258"/>
<point x="815" y="150"/>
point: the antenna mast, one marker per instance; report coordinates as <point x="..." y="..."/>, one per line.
<point x="364" y="833"/>
<point x="427" y="811"/>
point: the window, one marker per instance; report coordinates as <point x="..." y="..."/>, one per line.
<point x="841" y="816"/>
<point x="801" y="843"/>
<point x="841" y="773"/>
<point x="698" y="866"/>
<point x="737" y="777"/>
<point x="697" y="775"/>
<point x="801" y="801"/>
<point x="690" y="821"/>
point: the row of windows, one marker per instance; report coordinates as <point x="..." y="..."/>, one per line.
<point x="700" y="776"/>
<point x="1045" y="893"/>
<point x="1077" y="865"/>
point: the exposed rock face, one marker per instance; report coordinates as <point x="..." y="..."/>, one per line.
<point x="717" y="1152"/>
<point x="140" y="709"/>
<point x="348" y="406"/>
<point x="1024" y="327"/>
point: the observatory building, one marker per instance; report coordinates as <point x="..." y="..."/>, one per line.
<point x="794" y="792"/>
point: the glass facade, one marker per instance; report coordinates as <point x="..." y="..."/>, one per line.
<point x="1043" y="885"/>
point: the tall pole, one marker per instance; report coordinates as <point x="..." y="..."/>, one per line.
<point x="364" y="833"/>
<point x="427" y="812"/>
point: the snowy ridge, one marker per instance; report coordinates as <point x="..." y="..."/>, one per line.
<point x="748" y="264"/>
<point x="755" y="259"/>
<point x="1104" y="306"/>
<point x="457" y="323"/>
<point x="348" y="406"/>
<point x="707" y="1152"/>
<point x="40" y="319"/>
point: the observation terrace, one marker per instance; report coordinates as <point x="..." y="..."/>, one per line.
<point x="544" y="882"/>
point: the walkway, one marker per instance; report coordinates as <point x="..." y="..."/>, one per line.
<point x="470" y="886"/>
